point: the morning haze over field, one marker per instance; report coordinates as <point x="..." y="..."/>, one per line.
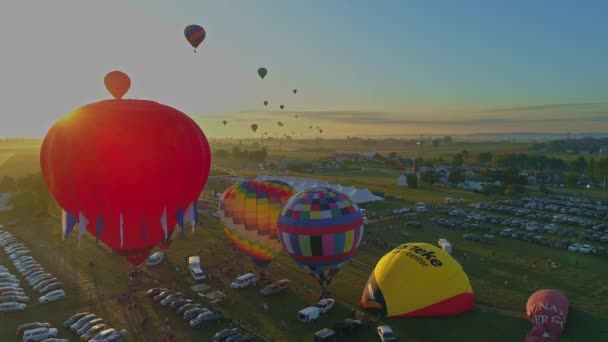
<point x="393" y="67"/>
<point x="284" y="170"/>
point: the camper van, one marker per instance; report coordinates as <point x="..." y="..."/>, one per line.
<point x="309" y="314"/>
<point x="243" y="281"/>
<point x="445" y="245"/>
<point x="194" y="265"/>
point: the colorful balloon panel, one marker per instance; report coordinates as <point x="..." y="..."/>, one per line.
<point x="195" y="35"/>
<point x="547" y="309"/>
<point x="321" y="229"/>
<point x="249" y="211"/>
<point x="418" y="280"/>
<point x="127" y="170"/>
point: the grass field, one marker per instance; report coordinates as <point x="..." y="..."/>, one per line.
<point x="497" y="317"/>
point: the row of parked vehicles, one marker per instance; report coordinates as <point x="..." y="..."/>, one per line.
<point x="47" y="285"/>
<point x="194" y="313"/>
<point x="91" y="328"/>
<point x="36" y="331"/>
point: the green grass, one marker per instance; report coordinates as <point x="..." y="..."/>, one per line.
<point x="581" y="277"/>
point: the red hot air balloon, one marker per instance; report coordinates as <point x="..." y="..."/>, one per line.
<point x="117" y="83"/>
<point x="127" y="171"/>
<point x="548" y="311"/>
<point x="224" y="122"/>
<point x="254" y="127"/>
<point x="265" y="103"/>
<point x="282" y="106"/>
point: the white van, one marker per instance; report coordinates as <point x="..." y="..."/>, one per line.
<point x="194" y="265"/>
<point x="155" y="258"/>
<point x="445" y="245"/>
<point x="39" y="334"/>
<point x="244" y="281"/>
<point x="309" y="314"/>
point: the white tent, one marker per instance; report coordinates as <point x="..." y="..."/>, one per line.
<point x="364" y="196"/>
<point x="402" y="180"/>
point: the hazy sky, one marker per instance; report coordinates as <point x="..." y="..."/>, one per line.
<point x="361" y="67"/>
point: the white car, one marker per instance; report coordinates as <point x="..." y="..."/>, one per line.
<point x="39" y="334"/>
<point x="585" y="249"/>
<point x="12" y="306"/>
<point x="82" y="321"/>
<point x="107" y="335"/>
<point x="52" y="296"/>
<point x="155" y="259"/>
<point x="18" y="253"/>
<point x="325" y="305"/>
<point x="574" y="247"/>
<point x="386" y="333"/>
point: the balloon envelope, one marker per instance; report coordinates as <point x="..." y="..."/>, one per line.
<point x="254" y="127"/>
<point x="547" y="309"/>
<point x="282" y="106"/>
<point x="249" y="211"/>
<point x="265" y="103"/>
<point x="417" y="280"/>
<point x="128" y="170"/>
<point x="117" y="83"/>
<point x="295" y="91"/>
<point x="262" y="72"/>
<point x="321" y="229"/>
<point x="224" y="122"/>
<point x="195" y="35"/>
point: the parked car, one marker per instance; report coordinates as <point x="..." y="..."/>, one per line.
<point x="82" y="321"/>
<point x="155" y="259"/>
<point x="586" y="249"/>
<point x="74" y="318"/>
<point x="163" y="295"/>
<point x="179" y="303"/>
<point x="109" y="335"/>
<point x="472" y="237"/>
<point x="205" y="317"/>
<point x="44" y="283"/>
<point x="347" y="326"/>
<point x="12" y="306"/>
<point x="386" y="333"/>
<point x="155" y="291"/>
<point x="180" y="311"/>
<point x="83" y="329"/>
<point x="574" y="247"/>
<point x="39" y="334"/>
<point x="94" y="330"/>
<point x="14" y="298"/>
<point x="27" y="326"/>
<point x="325" y="305"/>
<point x="172" y="298"/>
<point x="243" y="281"/>
<point x="222" y="335"/>
<point x="276" y="287"/>
<point x="51" y="287"/>
<point x="240" y="338"/>
<point x="193" y="313"/>
<point x="52" y="296"/>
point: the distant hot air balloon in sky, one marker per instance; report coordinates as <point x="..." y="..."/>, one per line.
<point x="117" y="83"/>
<point x="249" y="211"/>
<point x="282" y="106"/>
<point x="296" y="116"/>
<point x="321" y="230"/>
<point x="294" y="132"/>
<point x="224" y="122"/>
<point x="417" y="280"/>
<point x="265" y="103"/>
<point x="310" y="127"/>
<point x="262" y="72"/>
<point x="195" y="35"/>
<point x="547" y="309"/>
<point x="295" y="91"/>
<point x="321" y="131"/>
<point x="254" y="127"/>
<point x="126" y="171"/>
<point x="280" y="124"/>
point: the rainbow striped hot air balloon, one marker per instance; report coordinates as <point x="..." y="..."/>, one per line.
<point x="321" y="230"/>
<point x="249" y="211"/>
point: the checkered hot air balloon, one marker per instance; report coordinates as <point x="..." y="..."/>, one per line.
<point x="321" y="229"/>
<point x="249" y="211"/>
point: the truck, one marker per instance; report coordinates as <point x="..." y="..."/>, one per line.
<point x="309" y="314"/>
<point x="194" y="266"/>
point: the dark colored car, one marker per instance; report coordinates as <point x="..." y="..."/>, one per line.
<point x="180" y="311"/>
<point x="163" y="295"/>
<point x="225" y="334"/>
<point x="347" y="326"/>
<point x="179" y="303"/>
<point x="414" y="224"/>
<point x="74" y="318"/>
<point x="240" y="338"/>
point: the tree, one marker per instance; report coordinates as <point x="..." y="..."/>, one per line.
<point x="8" y="184"/>
<point x="412" y="181"/>
<point x="571" y="179"/>
<point x="436" y="142"/>
<point x="447" y="139"/>
<point x="392" y="155"/>
<point x="578" y="165"/>
<point x="457" y="160"/>
<point x="221" y="154"/>
<point x="465" y="154"/>
<point x="456" y="176"/>
<point x="32" y="194"/>
<point x="514" y="190"/>
<point x="485" y="157"/>
<point x="429" y="177"/>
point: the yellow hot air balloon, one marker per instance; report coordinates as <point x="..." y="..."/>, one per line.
<point x="418" y="280"/>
